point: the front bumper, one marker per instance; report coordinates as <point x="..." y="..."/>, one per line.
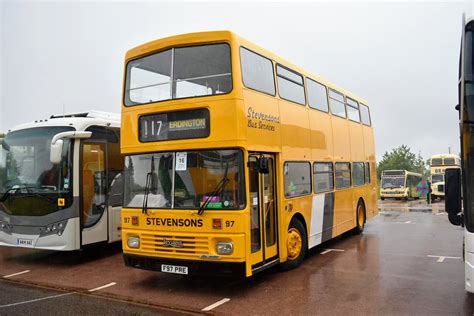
<point x="236" y="269"/>
<point x="393" y="195"/>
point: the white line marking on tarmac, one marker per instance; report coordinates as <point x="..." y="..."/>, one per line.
<point x="15" y="274"/>
<point x="329" y="250"/>
<point x="36" y="300"/>
<point x="219" y="303"/>
<point x="103" y="287"/>
<point x="442" y="258"/>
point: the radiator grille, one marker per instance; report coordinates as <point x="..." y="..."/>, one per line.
<point x="191" y="245"/>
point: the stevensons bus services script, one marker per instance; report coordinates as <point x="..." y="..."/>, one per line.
<point x="261" y="120"/>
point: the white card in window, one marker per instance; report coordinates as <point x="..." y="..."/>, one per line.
<point x="181" y="161"/>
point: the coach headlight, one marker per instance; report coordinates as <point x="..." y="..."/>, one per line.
<point x="133" y="242"/>
<point x="224" y="248"/>
<point x="4" y="226"/>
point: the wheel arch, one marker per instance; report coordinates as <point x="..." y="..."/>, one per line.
<point x="300" y="217"/>
<point x="361" y="200"/>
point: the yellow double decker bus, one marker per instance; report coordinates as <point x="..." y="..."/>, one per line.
<point x="237" y="160"/>
<point x="438" y="164"/>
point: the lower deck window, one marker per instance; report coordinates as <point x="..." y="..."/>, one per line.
<point x="323" y="177"/>
<point x="297" y="178"/>
<point x="343" y="175"/>
<point x="358" y="173"/>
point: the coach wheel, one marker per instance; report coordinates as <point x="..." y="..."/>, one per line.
<point x="296" y="245"/>
<point x="360" y="218"/>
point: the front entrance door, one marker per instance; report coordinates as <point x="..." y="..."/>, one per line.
<point x="93" y="192"/>
<point x="263" y="212"/>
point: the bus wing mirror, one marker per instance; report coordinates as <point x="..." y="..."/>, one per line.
<point x="56" y="152"/>
<point x="4" y="145"/>
<point x="263" y="165"/>
<point x="452" y="201"/>
<point x="57" y="144"/>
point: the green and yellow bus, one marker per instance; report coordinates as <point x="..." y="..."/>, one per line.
<point x="399" y="184"/>
<point x="237" y="160"/>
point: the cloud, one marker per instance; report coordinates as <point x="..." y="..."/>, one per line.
<point x="402" y="57"/>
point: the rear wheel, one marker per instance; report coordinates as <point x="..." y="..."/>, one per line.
<point x="296" y="245"/>
<point x="360" y="218"/>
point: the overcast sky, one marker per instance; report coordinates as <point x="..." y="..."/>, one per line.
<point x="402" y="57"/>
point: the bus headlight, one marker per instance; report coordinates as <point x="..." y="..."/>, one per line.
<point x="224" y="248"/>
<point x="133" y="242"/>
<point x="4" y="226"/>
<point x="54" y="228"/>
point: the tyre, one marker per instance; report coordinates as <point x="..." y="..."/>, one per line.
<point x="360" y="218"/>
<point x="296" y="245"/>
<point x="382" y="198"/>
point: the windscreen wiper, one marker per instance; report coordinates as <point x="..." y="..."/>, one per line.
<point x="8" y="193"/>
<point x="217" y="191"/>
<point x="149" y="176"/>
<point x="15" y="189"/>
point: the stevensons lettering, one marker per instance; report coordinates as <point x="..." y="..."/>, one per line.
<point x="261" y="120"/>
<point x="174" y="222"/>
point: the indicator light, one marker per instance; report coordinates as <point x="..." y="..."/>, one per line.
<point x="217" y="223"/>
<point x="135" y="220"/>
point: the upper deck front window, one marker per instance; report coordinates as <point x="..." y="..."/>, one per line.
<point x="178" y="73"/>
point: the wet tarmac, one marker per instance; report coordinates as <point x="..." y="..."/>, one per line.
<point x="408" y="261"/>
<point x="18" y="299"/>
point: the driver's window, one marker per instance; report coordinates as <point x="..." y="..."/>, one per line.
<point x="93" y="183"/>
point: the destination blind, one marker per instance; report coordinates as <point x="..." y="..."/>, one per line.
<point x="174" y="125"/>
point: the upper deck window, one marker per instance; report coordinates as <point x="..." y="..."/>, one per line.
<point x="290" y="85"/>
<point x="336" y="100"/>
<point x="353" y="110"/>
<point x="365" y="114"/>
<point x="317" y="95"/>
<point x="257" y="72"/>
<point x="177" y="73"/>
<point x="448" y="161"/>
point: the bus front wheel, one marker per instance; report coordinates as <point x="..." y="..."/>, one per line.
<point x="360" y="218"/>
<point x="296" y="245"/>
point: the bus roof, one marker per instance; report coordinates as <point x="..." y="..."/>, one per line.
<point x="444" y="156"/>
<point x="80" y="121"/>
<point x="406" y="172"/>
<point x="219" y="36"/>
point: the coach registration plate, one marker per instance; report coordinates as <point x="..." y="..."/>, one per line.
<point x="24" y="242"/>
<point x="174" y="269"/>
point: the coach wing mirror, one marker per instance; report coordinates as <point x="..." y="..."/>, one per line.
<point x="57" y="144"/>
<point x="452" y="201"/>
<point x="263" y="165"/>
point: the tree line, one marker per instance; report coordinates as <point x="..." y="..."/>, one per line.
<point x="402" y="158"/>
